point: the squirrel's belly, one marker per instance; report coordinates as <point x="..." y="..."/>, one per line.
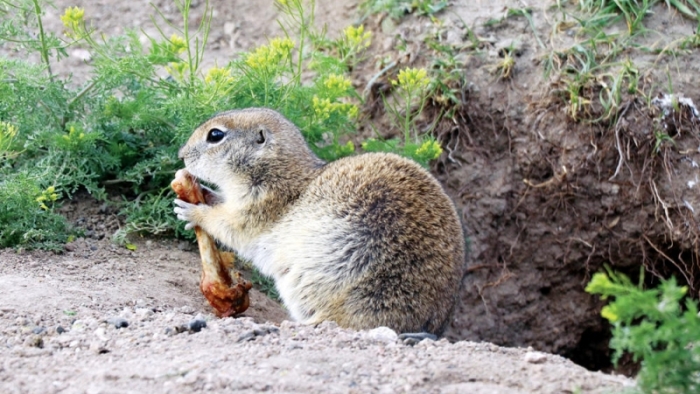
<point x="307" y="262"/>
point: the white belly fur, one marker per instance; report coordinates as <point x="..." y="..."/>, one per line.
<point x="300" y="245"/>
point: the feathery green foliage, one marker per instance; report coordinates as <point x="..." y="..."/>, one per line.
<point x="658" y="326"/>
<point x="123" y="126"/>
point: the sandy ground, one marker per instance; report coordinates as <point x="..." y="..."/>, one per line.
<point x="58" y="334"/>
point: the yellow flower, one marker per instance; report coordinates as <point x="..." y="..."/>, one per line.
<point x="8" y="132"/>
<point x="322" y="107"/>
<point x="72" y="19"/>
<point x="609" y="313"/>
<point x="345" y="150"/>
<point x="412" y="78"/>
<point x="282" y="45"/>
<point x="429" y="149"/>
<point x="352" y="110"/>
<point x="218" y="75"/>
<point x="177" y="44"/>
<point x="270" y="55"/>
<point x="357" y="37"/>
<point x="177" y="69"/>
<point x="337" y="83"/>
<point x="47" y="195"/>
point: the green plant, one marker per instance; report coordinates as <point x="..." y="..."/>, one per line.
<point x="411" y="87"/>
<point x="592" y="86"/>
<point x="660" y="327"/>
<point x="121" y="129"/>
<point x="505" y="66"/>
<point x="661" y="138"/>
<point x="265" y="284"/>
<point x="447" y="68"/>
<point x="398" y="8"/>
<point x="633" y="11"/>
<point x="27" y="217"/>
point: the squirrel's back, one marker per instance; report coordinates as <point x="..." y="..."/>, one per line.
<point x="373" y="241"/>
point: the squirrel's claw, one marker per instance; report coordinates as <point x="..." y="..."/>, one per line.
<point x="184" y="211"/>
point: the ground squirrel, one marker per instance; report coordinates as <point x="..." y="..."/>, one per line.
<point x="366" y="241"/>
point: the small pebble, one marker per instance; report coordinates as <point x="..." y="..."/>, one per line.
<point x="535" y="357"/>
<point x="382" y="334"/>
<point x="34" y="341"/>
<point x="60" y="330"/>
<point x="118" y="322"/>
<point x="39" y="330"/>
<point x="77" y="326"/>
<point x="98" y="347"/>
<point x="246" y="336"/>
<point x="143" y="313"/>
<point x="187" y="310"/>
<point x="196" y="325"/>
<point x="264" y="329"/>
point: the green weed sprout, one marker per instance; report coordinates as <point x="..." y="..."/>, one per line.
<point x="353" y="42"/>
<point x="8" y="132"/>
<point x="657" y="327"/>
<point x="411" y="86"/>
<point x="27" y="219"/>
<point x="405" y="106"/>
<point x="398" y="8"/>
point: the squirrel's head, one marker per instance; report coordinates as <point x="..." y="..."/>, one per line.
<point x="250" y="147"/>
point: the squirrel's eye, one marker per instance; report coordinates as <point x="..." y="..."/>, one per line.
<point x="215" y="135"/>
<point x="261" y="137"/>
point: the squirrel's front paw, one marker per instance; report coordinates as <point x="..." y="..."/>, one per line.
<point x="187" y="212"/>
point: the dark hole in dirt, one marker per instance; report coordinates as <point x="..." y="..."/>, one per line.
<point x="592" y="351"/>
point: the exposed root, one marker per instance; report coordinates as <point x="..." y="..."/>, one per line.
<point x="667" y="217"/>
<point x="618" y="145"/>
<point x="670" y="260"/>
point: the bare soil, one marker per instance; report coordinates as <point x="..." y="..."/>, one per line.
<point x="155" y="290"/>
<point x="545" y="200"/>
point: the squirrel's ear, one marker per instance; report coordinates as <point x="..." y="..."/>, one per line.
<point x="261" y="136"/>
